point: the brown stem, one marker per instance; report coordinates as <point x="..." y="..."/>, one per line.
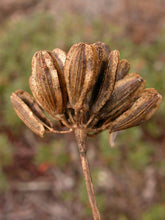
<point x="81" y="141"/>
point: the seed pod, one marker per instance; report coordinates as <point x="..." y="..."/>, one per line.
<point x="142" y="110"/>
<point x="123" y="69"/>
<point x="102" y="49"/>
<point x="80" y="74"/>
<point x="47" y="83"/>
<point x="107" y="82"/>
<point x="29" y="112"/>
<point x="125" y="92"/>
<point x="60" y="57"/>
<point x="102" y="56"/>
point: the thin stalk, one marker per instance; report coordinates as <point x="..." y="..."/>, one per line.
<point x="81" y="141"/>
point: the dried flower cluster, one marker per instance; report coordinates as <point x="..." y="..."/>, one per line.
<point x="89" y="89"/>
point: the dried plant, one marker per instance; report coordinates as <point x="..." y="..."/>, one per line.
<point x="88" y="90"/>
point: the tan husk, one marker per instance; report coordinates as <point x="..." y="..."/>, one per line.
<point x="125" y="92"/>
<point x="107" y="82"/>
<point x="30" y="113"/>
<point x="47" y="83"/>
<point x="123" y="69"/>
<point x="80" y="74"/>
<point x="142" y="110"/>
<point x="60" y="57"/>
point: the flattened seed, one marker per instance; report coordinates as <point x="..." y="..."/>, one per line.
<point x="46" y="84"/>
<point x="108" y="82"/>
<point x="142" y="110"/>
<point x="60" y="57"/>
<point x="27" y="116"/>
<point x="101" y="55"/>
<point x="102" y="65"/>
<point x="123" y="69"/>
<point x="34" y="107"/>
<point x="126" y="91"/>
<point x="80" y="74"/>
<point x="102" y="45"/>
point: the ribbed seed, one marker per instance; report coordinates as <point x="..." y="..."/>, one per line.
<point x="125" y="92"/>
<point x="104" y="46"/>
<point x="80" y="74"/>
<point x="47" y="83"/>
<point x="29" y="112"/>
<point x="107" y="80"/>
<point x="102" y="57"/>
<point x="123" y="69"/>
<point x="142" y="110"/>
<point x="60" y="57"/>
<point x="102" y="53"/>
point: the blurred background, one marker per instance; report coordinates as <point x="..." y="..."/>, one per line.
<point x="41" y="179"/>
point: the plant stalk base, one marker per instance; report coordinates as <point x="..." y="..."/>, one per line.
<point x="81" y="141"/>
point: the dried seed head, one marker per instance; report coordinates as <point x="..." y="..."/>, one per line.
<point x="47" y="82"/>
<point x="29" y="112"/>
<point x="89" y="89"/>
<point x="80" y="74"/>
<point x="142" y="110"/>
